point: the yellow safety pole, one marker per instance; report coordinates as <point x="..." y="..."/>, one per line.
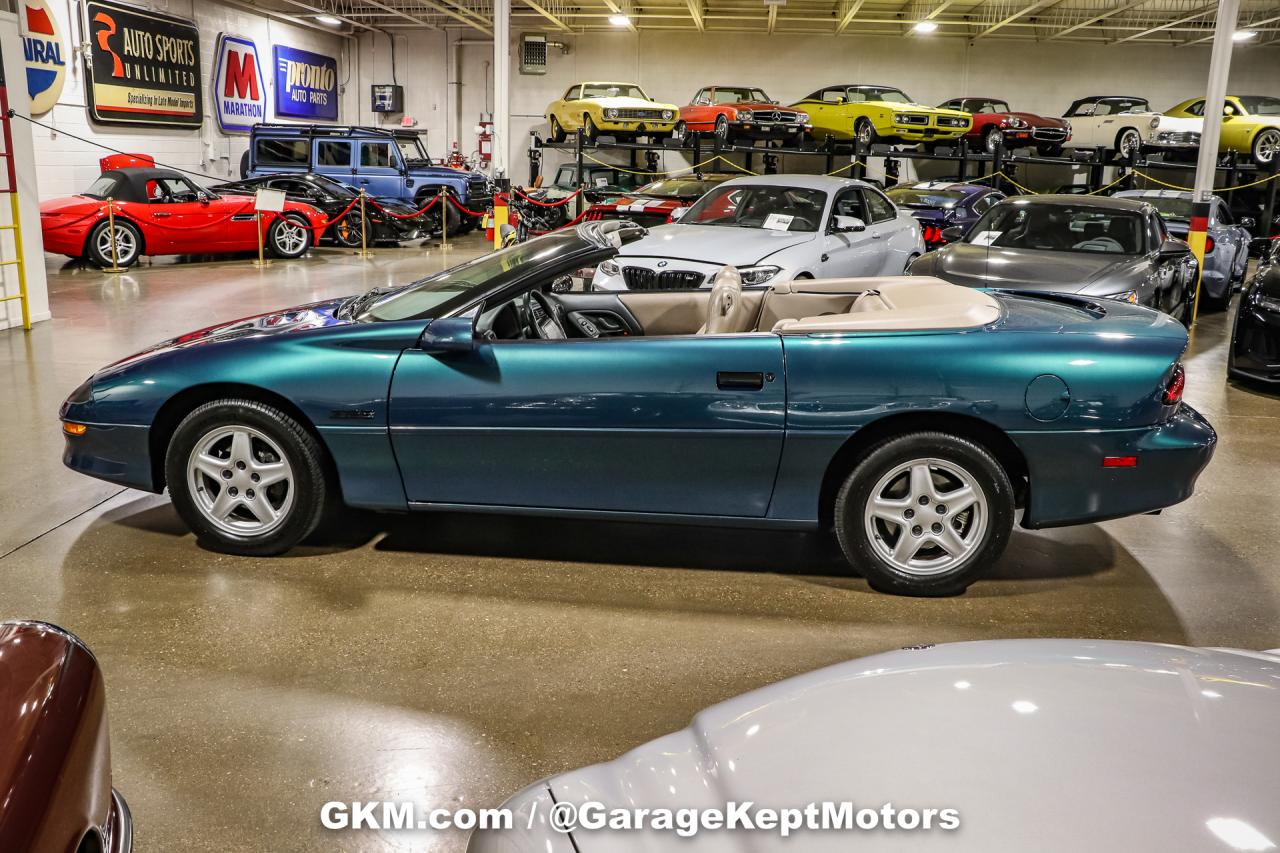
<point x="501" y="217"/>
<point x="21" y="261"/>
<point x="111" y="235"/>
<point x="364" y="225"/>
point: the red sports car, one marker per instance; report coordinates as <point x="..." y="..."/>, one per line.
<point x="653" y="203"/>
<point x="161" y="212"/>
<point x="741" y="112"/>
<point x="994" y="122"/>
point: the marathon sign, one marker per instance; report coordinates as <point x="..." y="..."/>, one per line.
<point x="306" y="84"/>
<point x="43" y="51"/>
<point x="143" y="67"/>
<point x="239" y="96"/>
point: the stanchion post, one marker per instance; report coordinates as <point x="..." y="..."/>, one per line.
<point x="111" y="235"/>
<point x="444" y="219"/>
<point x="257" y="227"/>
<point x="1265" y="226"/>
<point x="364" y="227"/>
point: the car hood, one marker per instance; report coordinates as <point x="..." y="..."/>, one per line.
<point x="714" y="244"/>
<point x="762" y="105"/>
<point x="914" y="107"/>
<point x="1039" y="120"/>
<point x="1161" y="747"/>
<point x="1028" y="269"/>
<point x="626" y="103"/>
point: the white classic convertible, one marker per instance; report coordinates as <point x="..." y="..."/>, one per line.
<point x="773" y="228"/>
<point x="1123" y="124"/>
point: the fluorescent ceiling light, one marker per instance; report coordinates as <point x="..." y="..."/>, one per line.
<point x="329" y="20"/>
<point x="925" y="26"/>
<point x="1244" y="35"/>
<point x="619" y="20"/>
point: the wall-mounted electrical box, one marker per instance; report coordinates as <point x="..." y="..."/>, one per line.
<point x="533" y="53"/>
<point x="386" y="98"/>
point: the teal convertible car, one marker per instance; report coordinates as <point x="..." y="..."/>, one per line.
<point x="913" y="416"/>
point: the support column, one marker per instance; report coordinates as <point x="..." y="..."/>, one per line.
<point x="1207" y="164"/>
<point x="502" y="88"/>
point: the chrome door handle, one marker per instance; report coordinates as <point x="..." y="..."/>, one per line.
<point x="158" y="213"/>
<point x="876" y="235"/>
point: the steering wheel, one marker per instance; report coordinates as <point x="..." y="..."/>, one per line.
<point x="805" y="223"/>
<point x="542" y="316"/>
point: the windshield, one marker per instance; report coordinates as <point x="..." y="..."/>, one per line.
<point x="411" y="149"/>
<point x="912" y="197"/>
<point x="1059" y="228"/>
<point x="333" y="187"/>
<point x="772" y="207"/>
<point x="987" y="107"/>
<point x="1173" y="209"/>
<point x="455" y="287"/>
<point x="104" y="186"/>
<point x="612" y="90"/>
<point x="593" y="177"/>
<point x="1260" y="105"/>
<point x="741" y="96"/>
<point x="677" y="188"/>
<point x="878" y="93"/>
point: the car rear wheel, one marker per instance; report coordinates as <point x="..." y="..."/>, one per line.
<point x="289" y="236"/>
<point x="925" y="513"/>
<point x="128" y="240"/>
<point x="1266" y="145"/>
<point x="246" y="477"/>
<point x="346" y="231"/>
<point x="557" y="132"/>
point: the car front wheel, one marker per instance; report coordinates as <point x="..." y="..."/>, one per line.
<point x="924" y="513"/>
<point x="1266" y="145"/>
<point x="246" y="477"/>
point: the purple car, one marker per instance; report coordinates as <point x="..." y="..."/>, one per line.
<point x="943" y="204"/>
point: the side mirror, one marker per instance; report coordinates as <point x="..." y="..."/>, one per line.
<point x="562" y="284"/>
<point x="953" y="234"/>
<point x="1174" y="249"/>
<point x="449" y="334"/>
<point x="677" y="214"/>
<point x="847" y="224"/>
<point x="202" y="197"/>
<point x="1247" y="222"/>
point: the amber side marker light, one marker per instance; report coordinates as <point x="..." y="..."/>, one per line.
<point x="74" y="429"/>
<point x="1119" y="462"/>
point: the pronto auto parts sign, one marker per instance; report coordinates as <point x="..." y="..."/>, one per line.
<point x="306" y="84"/>
<point x="239" y="97"/>
<point x="43" y="51"/>
<point x="143" y="67"/>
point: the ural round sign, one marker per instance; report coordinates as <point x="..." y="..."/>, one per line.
<point x="42" y="47"/>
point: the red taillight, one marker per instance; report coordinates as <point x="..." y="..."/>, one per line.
<point x="931" y="234"/>
<point x="1119" y="462"/>
<point x="1208" y="244"/>
<point x="1177" y="384"/>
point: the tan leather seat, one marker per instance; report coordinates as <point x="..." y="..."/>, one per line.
<point x="727" y="310"/>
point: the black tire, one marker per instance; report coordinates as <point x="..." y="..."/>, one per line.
<point x="346" y="231"/>
<point x="722" y="128"/>
<point x="960" y="454"/>
<point x="865" y="131"/>
<point x="97" y="247"/>
<point x="283" y="240"/>
<point x="557" y="132"/>
<point x="1266" y="146"/>
<point x="992" y="139"/>
<point x="589" y="129"/>
<point x="307" y="490"/>
<point x="681" y="133"/>
<point x="1049" y="150"/>
<point x="1134" y="137"/>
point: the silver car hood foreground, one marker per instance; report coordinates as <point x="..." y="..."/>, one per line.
<point x="715" y="244"/>
<point x="1044" y="745"/>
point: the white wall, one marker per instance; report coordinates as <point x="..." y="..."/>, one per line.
<point x="66" y="166"/>
<point x="1040" y="77"/>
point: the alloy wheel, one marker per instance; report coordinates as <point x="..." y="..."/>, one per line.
<point x="1130" y="141"/>
<point x="1266" y="146"/>
<point x="926" y="516"/>
<point x="126" y="245"/>
<point x="240" y="480"/>
<point x="994" y="139"/>
<point x="290" y="237"/>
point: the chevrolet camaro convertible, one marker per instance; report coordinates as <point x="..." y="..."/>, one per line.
<point x="913" y="416"/>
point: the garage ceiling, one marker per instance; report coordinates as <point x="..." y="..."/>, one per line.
<point x="1178" y="22"/>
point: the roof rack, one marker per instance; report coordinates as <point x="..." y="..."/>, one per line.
<point x="336" y="129"/>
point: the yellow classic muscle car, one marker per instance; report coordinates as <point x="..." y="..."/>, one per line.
<point x="1250" y="124"/>
<point x="873" y="114"/>
<point x="620" y="109"/>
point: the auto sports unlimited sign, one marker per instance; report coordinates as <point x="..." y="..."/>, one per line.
<point x="239" y="98"/>
<point x="44" y="53"/>
<point x="306" y="84"/>
<point x="144" y="67"/>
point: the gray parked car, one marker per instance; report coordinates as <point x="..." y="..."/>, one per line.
<point x="1056" y="746"/>
<point x="1095" y="246"/>
<point x="1226" y="258"/>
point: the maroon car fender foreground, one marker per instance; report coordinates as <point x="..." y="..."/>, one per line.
<point x="55" y="762"/>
